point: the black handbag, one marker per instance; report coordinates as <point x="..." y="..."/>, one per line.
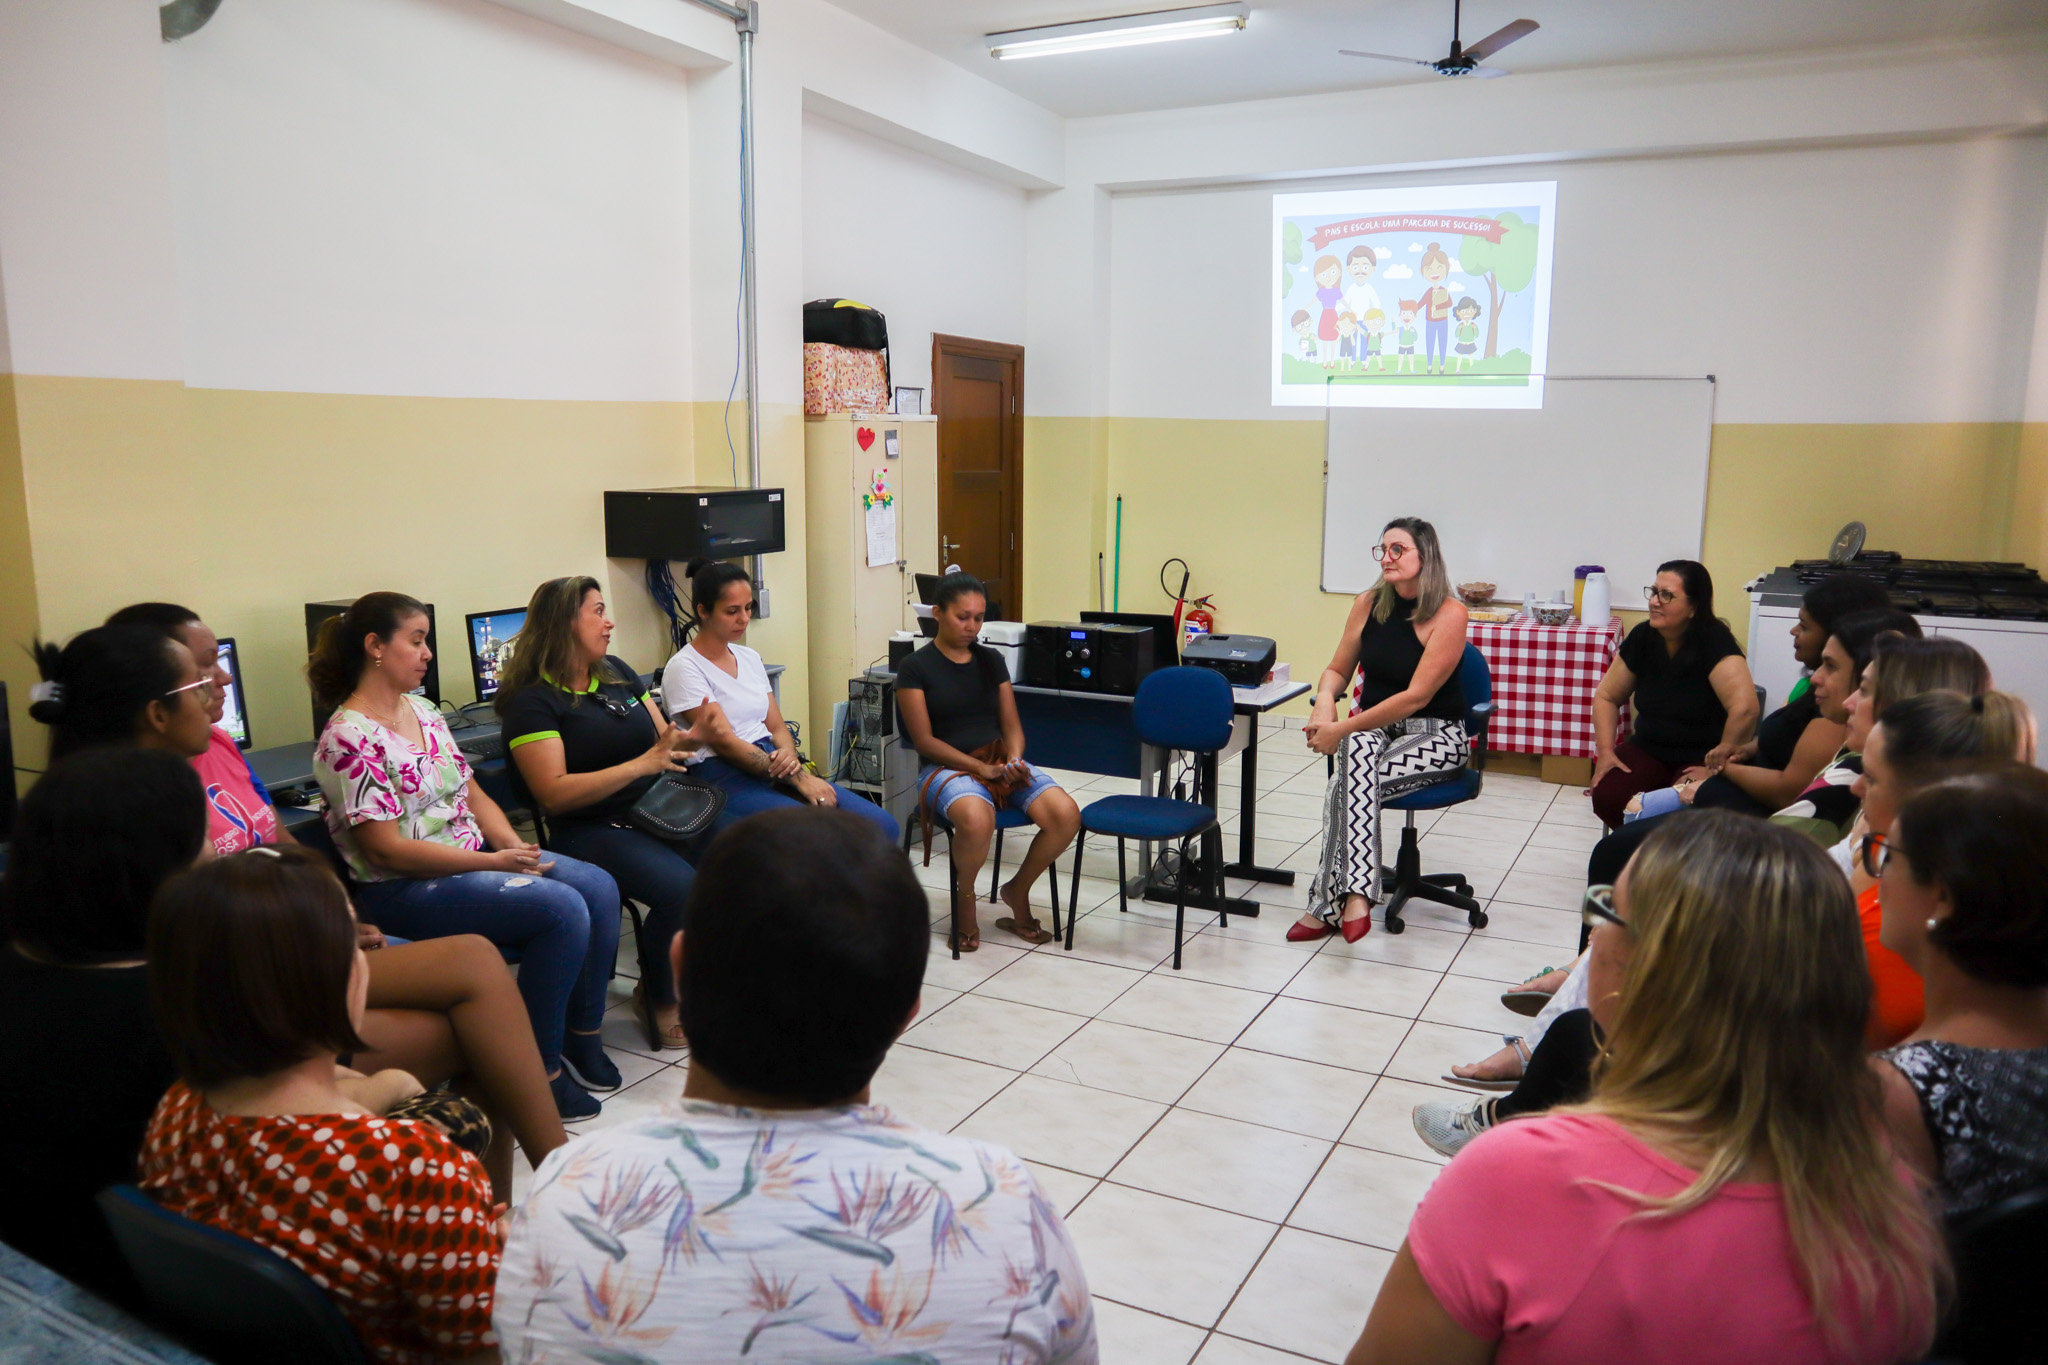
<point x="677" y="808"/>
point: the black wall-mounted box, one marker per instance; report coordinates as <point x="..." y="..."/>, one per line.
<point x="684" y="523"/>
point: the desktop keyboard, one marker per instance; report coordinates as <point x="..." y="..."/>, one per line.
<point x="481" y="748"/>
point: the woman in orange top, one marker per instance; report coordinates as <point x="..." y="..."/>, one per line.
<point x="1919" y="741"/>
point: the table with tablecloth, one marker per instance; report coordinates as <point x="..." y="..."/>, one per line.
<point x="1543" y="683"/>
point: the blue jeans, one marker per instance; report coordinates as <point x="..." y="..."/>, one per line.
<point x="747" y="795"/>
<point x="649" y="870"/>
<point x="564" y="925"/>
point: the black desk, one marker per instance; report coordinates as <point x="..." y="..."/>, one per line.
<point x="1092" y="732"/>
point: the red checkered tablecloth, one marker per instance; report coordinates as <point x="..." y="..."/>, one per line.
<point x="1543" y="681"/>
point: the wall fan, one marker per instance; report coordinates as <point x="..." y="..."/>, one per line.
<point x="1463" y="61"/>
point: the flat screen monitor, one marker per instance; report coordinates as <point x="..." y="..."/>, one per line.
<point x="1165" y="648"/>
<point x="927" y="586"/>
<point x="235" y="717"/>
<point x="490" y="646"/>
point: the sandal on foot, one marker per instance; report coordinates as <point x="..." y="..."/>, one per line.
<point x="1526" y="1001"/>
<point x="1036" y="933"/>
<point x="658" y="1037"/>
<point x="1521" y="1047"/>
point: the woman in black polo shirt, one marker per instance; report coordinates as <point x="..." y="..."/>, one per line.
<point x="1694" y="701"/>
<point x="587" y="741"/>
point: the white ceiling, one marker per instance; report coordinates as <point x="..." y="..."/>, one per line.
<point x="1289" y="47"/>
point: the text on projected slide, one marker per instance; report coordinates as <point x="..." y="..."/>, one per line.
<point x="1427" y="297"/>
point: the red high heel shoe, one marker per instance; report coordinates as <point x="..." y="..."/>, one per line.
<point x="1307" y="933"/>
<point x="1356" y="929"/>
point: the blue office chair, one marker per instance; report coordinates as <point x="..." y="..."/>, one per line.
<point x="1006" y="818"/>
<point x="240" y="1302"/>
<point x="1176" y="708"/>
<point x="1406" y="880"/>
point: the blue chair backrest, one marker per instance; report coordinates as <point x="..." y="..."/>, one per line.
<point x="1475" y="679"/>
<point x="242" y="1301"/>
<point x="1184" y="708"/>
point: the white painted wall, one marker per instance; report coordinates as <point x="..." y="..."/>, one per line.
<point x="1184" y="328"/>
<point x="1851" y="284"/>
<point x="935" y="247"/>
<point x="438" y="197"/>
<point x="86" y="246"/>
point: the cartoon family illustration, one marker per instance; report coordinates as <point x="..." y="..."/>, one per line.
<point x="1352" y="332"/>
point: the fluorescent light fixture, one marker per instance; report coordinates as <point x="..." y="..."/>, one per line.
<point x="1128" y="30"/>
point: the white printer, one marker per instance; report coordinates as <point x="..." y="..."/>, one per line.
<point x="1007" y="639"/>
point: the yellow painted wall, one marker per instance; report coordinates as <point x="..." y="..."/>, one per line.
<point x="244" y="505"/>
<point x="1242" y="502"/>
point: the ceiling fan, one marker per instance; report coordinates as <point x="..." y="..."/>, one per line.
<point x="1463" y="61"/>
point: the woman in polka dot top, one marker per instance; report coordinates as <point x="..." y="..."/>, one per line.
<point x="258" y="986"/>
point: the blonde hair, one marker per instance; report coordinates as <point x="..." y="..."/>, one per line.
<point x="545" y="648"/>
<point x="1433" y="583"/>
<point x="1738" y="1035"/>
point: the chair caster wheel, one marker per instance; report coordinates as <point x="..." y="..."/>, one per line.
<point x="1395" y="926"/>
<point x="1478" y="919"/>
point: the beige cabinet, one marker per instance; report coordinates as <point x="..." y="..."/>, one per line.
<point x="854" y="606"/>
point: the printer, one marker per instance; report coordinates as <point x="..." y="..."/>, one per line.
<point x="1243" y="660"/>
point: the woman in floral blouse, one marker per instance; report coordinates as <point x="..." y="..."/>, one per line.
<point x="431" y="854"/>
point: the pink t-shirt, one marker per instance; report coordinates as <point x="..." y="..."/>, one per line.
<point x="238" y="816"/>
<point x="1521" y="1248"/>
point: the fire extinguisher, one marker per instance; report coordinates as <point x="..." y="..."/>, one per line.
<point x="1190" y="621"/>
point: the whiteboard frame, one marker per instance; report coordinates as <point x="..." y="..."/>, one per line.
<point x="1697" y="543"/>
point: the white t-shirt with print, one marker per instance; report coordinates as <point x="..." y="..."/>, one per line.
<point x="691" y="679"/>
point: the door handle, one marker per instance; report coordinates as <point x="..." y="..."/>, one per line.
<point x="946" y="547"/>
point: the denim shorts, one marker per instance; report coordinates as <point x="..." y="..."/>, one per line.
<point x="946" y="790"/>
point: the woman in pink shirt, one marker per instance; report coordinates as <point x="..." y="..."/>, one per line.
<point x="1726" y="1194"/>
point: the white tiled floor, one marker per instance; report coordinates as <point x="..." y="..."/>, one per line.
<point x="1231" y="1142"/>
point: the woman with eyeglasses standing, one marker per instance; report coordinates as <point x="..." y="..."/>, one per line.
<point x="1914" y="744"/>
<point x="431" y="854"/>
<point x="1694" y="701"/>
<point x="588" y="742"/>
<point x="1405" y="638"/>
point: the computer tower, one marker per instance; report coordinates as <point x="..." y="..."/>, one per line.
<point x="1124" y="656"/>
<point x="318" y="612"/>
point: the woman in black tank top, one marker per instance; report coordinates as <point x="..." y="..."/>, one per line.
<point x="1405" y="638"/>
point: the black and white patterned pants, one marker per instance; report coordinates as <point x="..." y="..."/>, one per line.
<point x="1373" y="766"/>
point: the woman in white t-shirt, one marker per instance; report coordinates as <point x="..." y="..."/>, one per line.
<point x="752" y="757"/>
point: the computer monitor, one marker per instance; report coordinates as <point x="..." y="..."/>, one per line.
<point x="1165" y="648"/>
<point x="235" y="717"/>
<point x="927" y="585"/>
<point x="490" y="646"/>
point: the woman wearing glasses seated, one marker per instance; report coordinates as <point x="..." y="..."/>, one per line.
<point x="588" y="742"/>
<point x="1732" y="1148"/>
<point x="1405" y="638"/>
<point x="1915" y="744"/>
<point x="1694" y="702"/>
<point x="1966" y="904"/>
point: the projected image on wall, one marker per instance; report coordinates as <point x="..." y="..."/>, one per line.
<point x="1427" y="297"/>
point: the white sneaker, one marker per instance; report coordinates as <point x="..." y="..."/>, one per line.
<point x="1447" y="1125"/>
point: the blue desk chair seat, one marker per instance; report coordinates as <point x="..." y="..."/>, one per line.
<point x="240" y="1301"/>
<point x="1176" y="708"/>
<point x="1406" y="880"/>
<point x="1006" y="818"/>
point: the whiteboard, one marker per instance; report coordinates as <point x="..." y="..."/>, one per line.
<point x="1608" y="471"/>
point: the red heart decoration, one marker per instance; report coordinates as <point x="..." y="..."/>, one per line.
<point x="865" y="437"/>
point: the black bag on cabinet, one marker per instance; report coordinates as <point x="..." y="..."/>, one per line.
<point x="842" y="322"/>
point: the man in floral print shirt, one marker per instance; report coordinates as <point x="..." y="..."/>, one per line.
<point x="772" y="1214"/>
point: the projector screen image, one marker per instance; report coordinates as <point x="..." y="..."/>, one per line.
<point x="1427" y="297"/>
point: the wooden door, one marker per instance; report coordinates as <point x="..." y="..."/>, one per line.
<point x="978" y="397"/>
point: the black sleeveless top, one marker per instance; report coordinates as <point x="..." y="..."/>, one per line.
<point x="1388" y="654"/>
